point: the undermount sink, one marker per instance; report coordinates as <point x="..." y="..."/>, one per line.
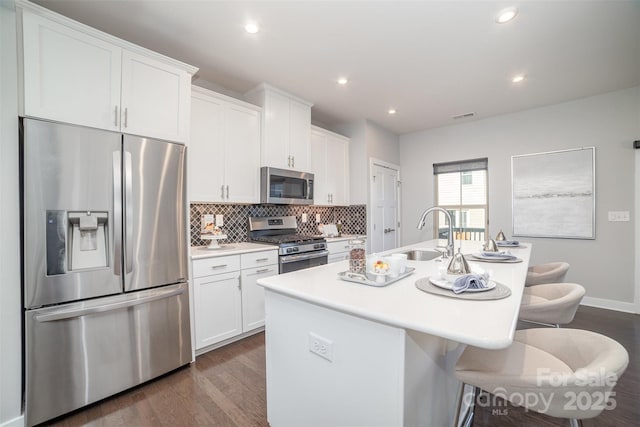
<point x="422" y="254"/>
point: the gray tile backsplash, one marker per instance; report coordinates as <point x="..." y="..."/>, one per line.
<point x="353" y="218"/>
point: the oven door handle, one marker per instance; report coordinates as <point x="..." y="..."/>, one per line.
<point x="285" y="259"/>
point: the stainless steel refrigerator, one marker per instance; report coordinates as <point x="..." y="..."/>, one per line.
<point x="104" y="264"/>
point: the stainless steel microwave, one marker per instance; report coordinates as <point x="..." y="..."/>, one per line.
<point x="285" y="187"/>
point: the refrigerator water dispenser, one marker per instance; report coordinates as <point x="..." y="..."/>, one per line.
<point x="76" y="241"/>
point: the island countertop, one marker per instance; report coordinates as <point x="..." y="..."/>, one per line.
<point x="488" y="324"/>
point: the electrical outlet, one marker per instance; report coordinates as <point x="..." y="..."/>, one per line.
<point x="318" y="218"/>
<point x="618" y="216"/>
<point x="219" y="220"/>
<point x="321" y="346"/>
<point x="304" y="217"/>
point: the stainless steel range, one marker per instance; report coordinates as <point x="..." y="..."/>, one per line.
<point x="296" y="251"/>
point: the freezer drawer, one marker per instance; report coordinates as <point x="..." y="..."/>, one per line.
<point x="82" y="352"/>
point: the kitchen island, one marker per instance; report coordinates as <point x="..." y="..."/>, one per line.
<point x="347" y="354"/>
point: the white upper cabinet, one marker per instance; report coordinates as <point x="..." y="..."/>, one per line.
<point x="286" y="129"/>
<point x="330" y="166"/>
<point x="75" y="74"/>
<point x="70" y="76"/>
<point x="224" y="149"/>
<point x="155" y="98"/>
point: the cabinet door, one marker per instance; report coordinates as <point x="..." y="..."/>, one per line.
<point x="242" y="155"/>
<point x="318" y="166"/>
<point x="337" y="169"/>
<point x="69" y="76"/>
<point x="218" y="313"/>
<point x="300" y="135"/>
<point x="275" y="150"/>
<point x="156" y="98"/>
<point x="253" y="296"/>
<point x="206" y="150"/>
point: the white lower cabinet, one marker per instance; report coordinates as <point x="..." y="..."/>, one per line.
<point x="227" y="298"/>
<point x="218" y="302"/>
<point x="338" y="251"/>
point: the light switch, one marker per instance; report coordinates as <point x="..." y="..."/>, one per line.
<point x="219" y="220"/>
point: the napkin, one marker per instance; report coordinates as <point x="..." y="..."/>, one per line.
<point x="499" y="255"/>
<point x="470" y="281"/>
<point x="508" y="243"/>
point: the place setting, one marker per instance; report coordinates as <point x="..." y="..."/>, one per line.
<point x="491" y="253"/>
<point x="459" y="281"/>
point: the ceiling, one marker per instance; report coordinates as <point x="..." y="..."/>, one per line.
<point x="430" y="60"/>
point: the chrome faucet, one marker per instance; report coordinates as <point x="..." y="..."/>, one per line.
<point x="450" y="248"/>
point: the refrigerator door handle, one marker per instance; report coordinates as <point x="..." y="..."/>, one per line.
<point x="70" y="314"/>
<point x="128" y="213"/>
<point x="117" y="213"/>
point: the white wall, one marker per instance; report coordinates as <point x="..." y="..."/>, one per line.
<point x="358" y="162"/>
<point x="10" y="312"/>
<point x="605" y="266"/>
<point x="367" y="140"/>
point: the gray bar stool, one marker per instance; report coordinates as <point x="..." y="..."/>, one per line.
<point x="552" y="304"/>
<point x="553" y="272"/>
<point x="564" y="373"/>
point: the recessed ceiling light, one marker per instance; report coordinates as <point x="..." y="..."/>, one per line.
<point x="506" y="15"/>
<point x="392" y="111"/>
<point x="518" y="79"/>
<point x="251" y="28"/>
<point x="343" y="81"/>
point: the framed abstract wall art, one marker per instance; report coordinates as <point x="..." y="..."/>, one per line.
<point x="553" y="194"/>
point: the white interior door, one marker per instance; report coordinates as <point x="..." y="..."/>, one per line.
<point x="385" y="227"/>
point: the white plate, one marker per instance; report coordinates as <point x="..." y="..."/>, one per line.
<point x="445" y="284"/>
<point x="480" y="255"/>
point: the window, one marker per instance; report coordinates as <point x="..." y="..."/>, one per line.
<point x="461" y="188"/>
<point x="466" y="178"/>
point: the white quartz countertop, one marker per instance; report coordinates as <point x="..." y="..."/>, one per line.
<point x="345" y="237"/>
<point x="200" y="252"/>
<point x="488" y="324"/>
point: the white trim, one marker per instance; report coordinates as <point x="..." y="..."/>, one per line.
<point x="609" y="304"/>
<point x="266" y="87"/>
<point x="16" y="422"/>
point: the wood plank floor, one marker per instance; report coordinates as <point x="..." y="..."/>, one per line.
<point x="226" y="387"/>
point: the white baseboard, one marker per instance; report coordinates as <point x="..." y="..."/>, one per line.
<point x="16" y="422"/>
<point x="609" y="304"/>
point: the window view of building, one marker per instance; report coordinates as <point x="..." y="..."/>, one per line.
<point x="461" y="188"/>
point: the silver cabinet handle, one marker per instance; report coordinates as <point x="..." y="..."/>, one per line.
<point x="115" y="114"/>
<point x="262" y="270"/>
<point x="328" y="198"/>
<point x="293" y="161"/>
<point x="262" y="259"/>
<point x="227" y="192"/>
<point x="69" y="314"/>
<point x="222" y="191"/>
<point x="215" y="267"/>
<point x="126" y="115"/>
<point x="289" y="161"/>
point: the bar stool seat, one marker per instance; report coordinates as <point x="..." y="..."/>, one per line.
<point x="551" y="304"/>
<point x="544" y="369"/>
<point x="553" y="272"/>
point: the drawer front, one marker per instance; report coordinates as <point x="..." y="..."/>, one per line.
<point x="337" y="247"/>
<point x="257" y="259"/>
<point x="217" y="265"/>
